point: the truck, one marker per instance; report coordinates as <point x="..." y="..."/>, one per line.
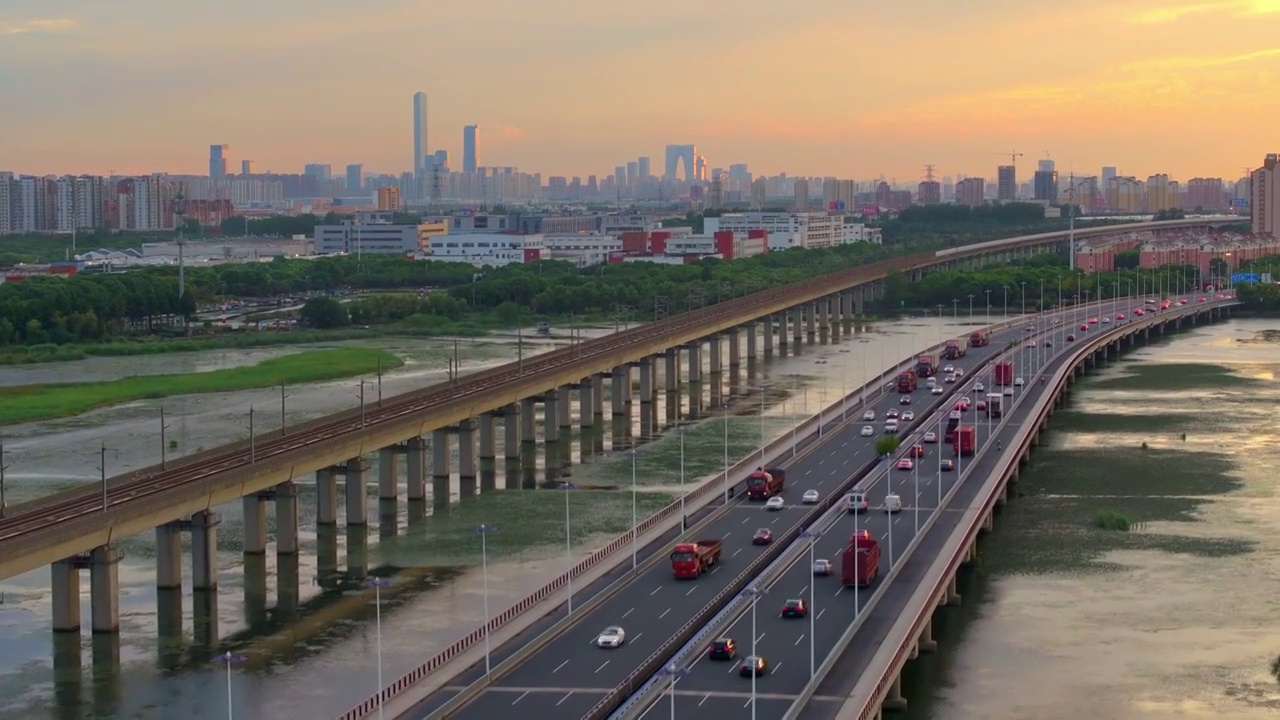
<point x="995" y="405"/>
<point x="954" y="350"/>
<point x="953" y="421"/>
<point x="764" y="484"/>
<point x="906" y="382"/>
<point x="926" y="366"/>
<point x="690" y="560"/>
<point x="1004" y="373"/>
<point x="979" y="338"/>
<point x="860" y="562"/>
<point x="965" y="440"/>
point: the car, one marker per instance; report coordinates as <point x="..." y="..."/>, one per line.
<point x="722" y="649"/>
<point x="931" y="381"/>
<point x="1083" y="326"/>
<point x="794" y="608"/>
<point x="904" y="400"/>
<point x="937" y="390"/>
<point x="948" y="465"/>
<point x="869" y="415"/>
<point x="959" y="372"/>
<point x="979" y="387"/>
<point x="930" y="437"/>
<point x="1139" y="311"/>
<point x="822" y="567"/>
<point x="612" y="637"/>
<point x="890" y="427"/>
<point x="1201" y="299"/>
<point x="948" y="369"/>
<point x="763" y="536"/>
<point x="1029" y="328"/>
<point x="891" y="413"/>
<point x="810" y="497"/>
<point x="1071" y="338"/>
<point x="1031" y="343"/>
<point x="856" y="502"/>
<point x="1017" y="382"/>
<point x="753" y="665"/>
<point x="960" y="407"/>
<point x="949" y="379"/>
<point x="917" y="450"/>
<point x="892" y="504"/>
<point x="1008" y="390"/>
<point x="868" y="431"/>
<point x="906" y="464"/>
<point x="1048" y="343"/>
<point x="1093" y="321"/>
<point x="980" y="405"/>
<point x="775" y="503"/>
<point x="908" y="416"/>
<point x="1107" y="321"/>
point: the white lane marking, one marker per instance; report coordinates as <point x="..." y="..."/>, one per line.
<point x="760" y="638"/>
<point x="733" y="669"/>
<point x="744" y="520"/>
<point x="566" y="697"/>
<point x="801" y="593"/>
<point x="819" y="616"/>
<point x="664" y="613"/>
<point x="704" y="699"/>
<point x="695" y="587"/>
<point x="526" y="692"/>
<point x="655" y="591"/>
<point x="838" y="591"/>
<point x="628" y="612"/>
<point x="637" y="637"/>
<point x="775" y="667"/>
<point x="606" y="662"/>
<point x="747" y="704"/>
<point x="797" y="642"/>
<point x="735" y="552"/>
<point x="566" y="662"/>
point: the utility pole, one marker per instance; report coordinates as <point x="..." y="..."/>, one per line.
<point x="180" y="211"/>
<point x="1071" y="222"/>
<point x="282" y="399"/>
<point x="3" y="467"/>
<point x="253" y="440"/>
<point x="164" y="447"/>
<point x="455" y="353"/>
<point x="102" y="473"/>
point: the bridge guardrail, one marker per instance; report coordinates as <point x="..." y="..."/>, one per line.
<point x="957" y="543"/>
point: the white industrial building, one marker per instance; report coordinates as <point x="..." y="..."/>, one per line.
<point x="860" y="232"/>
<point x="376" y="238"/>
<point x="582" y="249"/>
<point x="493" y="249"/>
<point x="786" y="230"/>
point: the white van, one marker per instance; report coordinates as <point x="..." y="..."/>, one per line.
<point x="892" y="504"/>
<point x="890" y="426"/>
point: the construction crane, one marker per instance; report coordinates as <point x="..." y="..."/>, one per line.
<point x="1013" y="157"/>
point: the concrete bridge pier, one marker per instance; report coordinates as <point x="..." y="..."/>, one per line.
<point x="597" y="395"/>
<point x="926" y="643"/>
<point x="796" y="325"/>
<point x="440" y="469"/>
<point x="326" y="497"/>
<point x="620" y="390"/>
<point x="255" y="524"/>
<point x="104" y="588"/>
<point x="169" y="556"/>
<point x="66" y="594"/>
<point x="648" y="382"/>
<point x="715" y="351"/>
<point x="511" y="447"/>
<point x="416" y="466"/>
<point x="388" y="473"/>
<point x="467" y="458"/>
<point x="551" y="416"/>
<point x="586" y="404"/>
<point x="893" y="700"/>
<point x="846" y="308"/>
<point x="357" y="497"/>
<point x="752" y="344"/>
<point x="488" y="451"/>
<point x="204" y="550"/>
<point x="695" y="363"/>
<point x="989" y="523"/>
<point x="286" y="497"/>
<point x="811" y="321"/>
<point x="528" y="423"/>
<point x="953" y="592"/>
<point x="564" y="407"/>
<point x="735" y="347"/>
<point x="782" y="330"/>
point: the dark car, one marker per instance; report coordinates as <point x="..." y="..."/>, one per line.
<point x="948" y="464"/>
<point x="723" y="649"/>
<point x="794" y="608"/>
<point x="1071" y="338"/>
<point x="763" y="536"/>
<point x="753" y="665"/>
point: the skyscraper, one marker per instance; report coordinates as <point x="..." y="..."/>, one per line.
<point x="218" y="162"/>
<point x="247" y="167"/>
<point x="1006" y="183"/>
<point x="419" y="132"/>
<point x="355" y="178"/>
<point x="470" y="149"/>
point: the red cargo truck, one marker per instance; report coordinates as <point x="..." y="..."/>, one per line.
<point x="979" y="338"/>
<point x="764" y="484"/>
<point x="1004" y="373"/>
<point x="690" y="560"/>
<point x="954" y="350"/>
<point x="907" y="382"/>
<point x="926" y="366"/>
<point x="860" y="562"/>
<point x="965" y="440"/>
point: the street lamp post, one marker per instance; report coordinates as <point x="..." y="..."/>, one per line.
<point x="988" y="293"/>
<point x="971" y="307"/>
<point x="483" y="531"/>
<point x="755" y="593"/>
<point x="955" y="310"/>
<point x="568" y="545"/>
<point x="635" y="516"/>
<point x="1006" y="302"/>
<point x="229" y="660"/>
<point x="812" y="534"/>
<point x="725" y="492"/>
<point x="682" y="513"/>
<point x="676" y="674"/>
<point x="377" y="583"/>
<point x="888" y="479"/>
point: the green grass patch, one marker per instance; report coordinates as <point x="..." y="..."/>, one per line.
<point x="526" y="520"/>
<point x="1108" y="423"/>
<point x="1112" y="520"/>
<point x="1172" y="377"/>
<point x="25" y="403"/>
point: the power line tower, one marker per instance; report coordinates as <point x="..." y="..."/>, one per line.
<point x="435" y="190"/>
<point x="928" y="172"/>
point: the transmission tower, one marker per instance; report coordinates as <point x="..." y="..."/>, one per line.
<point x="435" y="189"/>
<point x="928" y="172"/>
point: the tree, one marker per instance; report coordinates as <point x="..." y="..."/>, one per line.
<point x="887" y="445"/>
<point x="324" y="313"/>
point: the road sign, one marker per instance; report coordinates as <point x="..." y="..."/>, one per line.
<point x="1245" y="277"/>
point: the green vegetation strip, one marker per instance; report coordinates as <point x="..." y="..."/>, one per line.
<point x="26" y="403"/>
<point x="1172" y="377"/>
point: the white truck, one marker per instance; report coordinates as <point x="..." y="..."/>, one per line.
<point x="995" y="405"/>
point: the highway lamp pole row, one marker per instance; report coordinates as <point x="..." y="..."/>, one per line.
<point x="754" y="592"/>
<point x="253" y="440"/>
<point x="377" y="583"/>
<point x="483" y="531"/>
<point x="888" y="479"/>
<point x="812" y="534"/>
<point x="725" y="490"/>
<point x="683" y="516"/>
<point x="229" y="661"/>
<point x="102" y="472"/>
<point x="635" y="516"/>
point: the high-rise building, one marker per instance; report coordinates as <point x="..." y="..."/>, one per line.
<point x="389" y="198"/>
<point x="419" y="133"/>
<point x="355" y="178"/>
<point x="319" y="171"/>
<point x="1108" y="172"/>
<point x="247" y="167"/>
<point x="1006" y="183"/>
<point x="218" y="162"/>
<point x="645" y="169"/>
<point x="1045" y="183"/>
<point x="470" y="149"/>
<point x="929" y="192"/>
<point x="1206" y="194"/>
<point x="1264" y="196"/>
<point x="971" y="192"/>
<point x="1045" y="166"/>
<point x="802" y="195"/>
<point x="441" y="159"/>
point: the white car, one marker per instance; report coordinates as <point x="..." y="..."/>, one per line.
<point x="810" y="497"/>
<point x="930" y="437"/>
<point x="949" y="379"/>
<point x="1106" y="321"/>
<point x="937" y="390"/>
<point x="932" y="381"/>
<point x="890" y="427"/>
<point x="908" y="416"/>
<point x="959" y="372"/>
<point x="1031" y="343"/>
<point x="979" y="387"/>
<point x="775" y="503"/>
<point x="612" y="637"/>
<point x="822" y="567"/>
<point x="892" y="504"/>
<point x="869" y="415"/>
<point x="868" y="431"/>
<point x="1008" y="390"/>
<point x="1017" y="382"/>
<point x="949" y="369"/>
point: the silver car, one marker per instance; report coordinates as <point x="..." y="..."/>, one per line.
<point x="612" y="637"/>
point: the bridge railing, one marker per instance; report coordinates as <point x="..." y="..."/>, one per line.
<point x="923" y="602"/>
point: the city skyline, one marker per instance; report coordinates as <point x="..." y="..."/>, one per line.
<point x="1136" y="99"/>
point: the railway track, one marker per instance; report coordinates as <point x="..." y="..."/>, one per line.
<point x="121" y="490"/>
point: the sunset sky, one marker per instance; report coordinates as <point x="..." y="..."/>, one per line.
<point x="570" y="87"/>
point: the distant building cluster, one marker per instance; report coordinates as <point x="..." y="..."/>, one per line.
<point x="147" y="203"/>
<point x="1198" y="249"/>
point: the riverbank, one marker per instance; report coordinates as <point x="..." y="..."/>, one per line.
<point x="27" y="403"/>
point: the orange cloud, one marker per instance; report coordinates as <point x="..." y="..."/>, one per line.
<point x="33" y="27"/>
<point x="1174" y="13"/>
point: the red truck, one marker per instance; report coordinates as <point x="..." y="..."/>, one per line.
<point x="690" y="560"/>
<point x="764" y="484"/>
<point x="1004" y="373"/>
<point x="979" y="338"/>
<point x="926" y="366"/>
<point x="954" y="350"/>
<point x="965" y="440"/>
<point x="907" y="382"/>
<point x="860" y="562"/>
